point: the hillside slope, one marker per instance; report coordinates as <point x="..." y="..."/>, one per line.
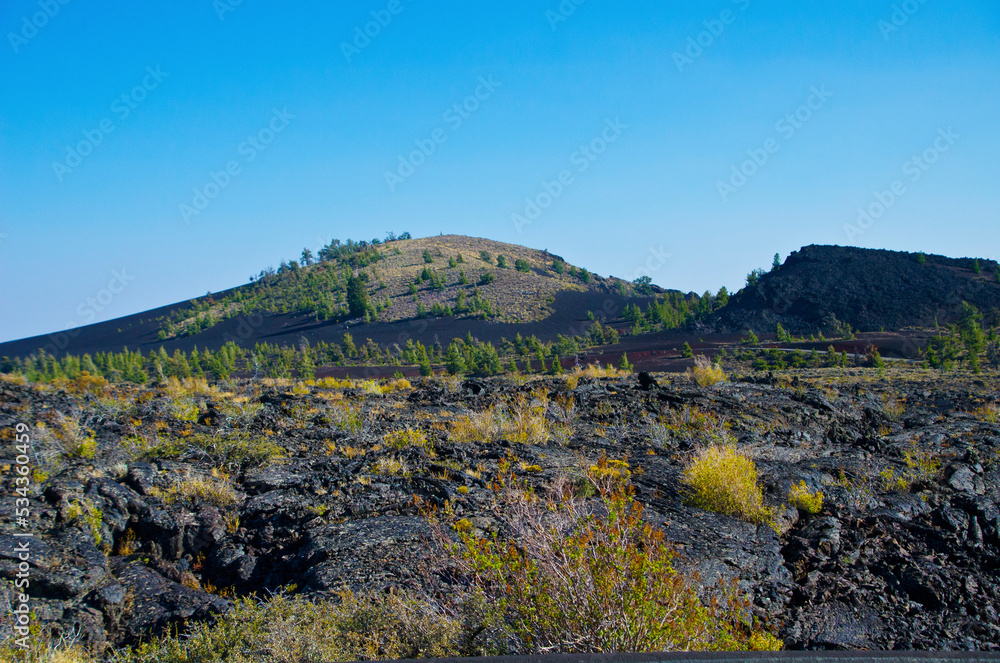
<point x="819" y="286"/>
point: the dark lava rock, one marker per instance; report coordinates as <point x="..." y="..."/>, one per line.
<point x="647" y="381"/>
<point x="159" y="604"/>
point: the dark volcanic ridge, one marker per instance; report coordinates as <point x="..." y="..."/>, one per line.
<point x="872" y="290"/>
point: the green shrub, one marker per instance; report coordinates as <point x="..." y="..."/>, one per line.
<point x="724" y="480"/>
<point x="85" y="448"/>
<point x="576" y="582"/>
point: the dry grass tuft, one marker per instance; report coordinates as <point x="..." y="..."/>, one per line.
<point x="520" y="422"/>
<point x="216" y="490"/>
<point x="592" y="371"/>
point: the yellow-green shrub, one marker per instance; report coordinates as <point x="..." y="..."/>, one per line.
<point x="803" y="500"/>
<point x="724" y="480"/>
<point x="921" y="467"/>
<point x="408" y="437"/>
<point x="705" y="373"/>
<point x="85" y="448"/>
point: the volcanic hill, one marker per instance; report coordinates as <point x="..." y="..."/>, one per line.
<point x="823" y="287"/>
<point x="429" y="289"/>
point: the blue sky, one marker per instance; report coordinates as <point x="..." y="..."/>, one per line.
<point x="116" y="115"/>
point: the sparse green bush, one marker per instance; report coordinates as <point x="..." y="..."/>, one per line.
<point x="921" y="467"/>
<point x="348" y="417"/>
<point x="91" y="515"/>
<point x="85" y="448"/>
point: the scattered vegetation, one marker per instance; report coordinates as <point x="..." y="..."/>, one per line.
<point x="283" y="629"/>
<point x="921" y="467"/>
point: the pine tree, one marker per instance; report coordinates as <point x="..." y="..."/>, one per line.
<point x="625" y="365"/>
<point x="972" y="335"/>
<point x="306" y="367"/>
<point x="686" y="351"/>
<point x="541" y="360"/>
<point x="357" y="297"/>
<point x="195" y="362"/>
<point x="512" y="366"/>
<point x="453" y="360"/>
<point x="350" y="349"/>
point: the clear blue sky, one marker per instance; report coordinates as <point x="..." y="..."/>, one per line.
<point x="160" y="95"/>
